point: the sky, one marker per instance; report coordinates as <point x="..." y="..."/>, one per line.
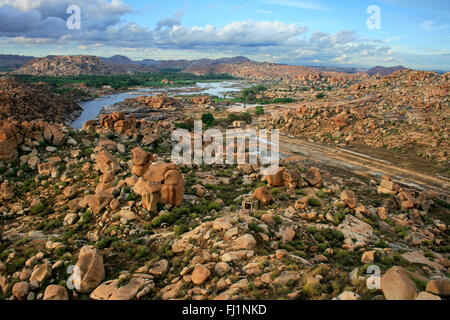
<point x="412" y="33"/>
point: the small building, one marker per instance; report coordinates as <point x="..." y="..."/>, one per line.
<point x="251" y="204"/>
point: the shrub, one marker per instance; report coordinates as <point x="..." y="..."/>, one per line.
<point x="312" y="201"/>
<point x="180" y="229"/>
<point x="320" y="95"/>
<point x="259" y="111"/>
<point x="142" y="252"/>
<point x="208" y="119"/>
<point x="38" y="208"/>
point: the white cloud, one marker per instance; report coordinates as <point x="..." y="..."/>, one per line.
<point x="43" y="23"/>
<point x="430" y="25"/>
<point x="296" y="4"/>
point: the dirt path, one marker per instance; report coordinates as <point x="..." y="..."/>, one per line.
<point x="361" y="163"/>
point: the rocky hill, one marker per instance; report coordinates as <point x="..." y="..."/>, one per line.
<point x="276" y="72"/>
<point x="384" y="71"/>
<point x="410" y="119"/>
<point x="12" y="62"/>
<point x="77" y="66"/>
<point x="31" y="102"/>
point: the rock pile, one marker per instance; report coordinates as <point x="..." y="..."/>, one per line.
<point x="158" y="183"/>
<point x="28" y="134"/>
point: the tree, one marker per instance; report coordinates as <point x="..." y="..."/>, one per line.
<point x="208" y="119"/>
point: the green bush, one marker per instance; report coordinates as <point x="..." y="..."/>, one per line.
<point x="208" y="119"/>
<point x="180" y="229"/>
<point x="38" y="208"/>
<point x="142" y="252"/>
<point x="312" y="201"/>
<point x="320" y="95"/>
<point x="259" y="111"/>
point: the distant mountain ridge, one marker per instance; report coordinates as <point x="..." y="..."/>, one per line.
<point x="59" y="66"/>
<point x="174" y="64"/>
<point x="384" y="71"/>
<point x="11" y="61"/>
<point x="119" y="64"/>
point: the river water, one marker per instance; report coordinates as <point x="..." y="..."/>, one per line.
<point x="91" y="109"/>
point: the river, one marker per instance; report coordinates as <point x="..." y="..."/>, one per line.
<point x="91" y="109"/>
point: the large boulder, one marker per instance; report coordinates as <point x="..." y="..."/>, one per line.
<point x="55" y="292"/>
<point x="314" y="178"/>
<point x="112" y="290"/>
<point x="349" y="198"/>
<point x="41" y="273"/>
<point x="6" y="191"/>
<point x="276" y="180"/>
<point x="397" y="285"/>
<point x="141" y="161"/>
<point x="200" y="274"/>
<point x="91" y="270"/>
<point x="8" y="142"/>
<point x="439" y="286"/>
<point x="98" y="201"/>
<point x="21" y="289"/>
<point x="263" y="194"/>
<point x="106" y="162"/>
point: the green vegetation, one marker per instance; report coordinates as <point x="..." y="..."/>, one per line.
<point x="250" y="95"/>
<point x="125" y="81"/>
<point x="208" y="119"/>
<point x="259" y="111"/>
<point x="245" y="116"/>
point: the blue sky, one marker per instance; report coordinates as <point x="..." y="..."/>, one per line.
<point x="413" y="33"/>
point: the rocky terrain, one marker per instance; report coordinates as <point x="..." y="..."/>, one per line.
<point x="406" y="112"/>
<point x="33" y="102"/>
<point x="60" y="66"/>
<point x="102" y="213"/>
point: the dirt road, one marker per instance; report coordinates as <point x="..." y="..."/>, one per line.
<point x="361" y="163"/>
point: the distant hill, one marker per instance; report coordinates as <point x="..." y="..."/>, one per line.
<point x="384" y="71"/>
<point x="341" y="69"/>
<point x="12" y="62"/>
<point x="31" y="102"/>
<point x="182" y="64"/>
<point x="77" y="66"/>
<point x="117" y="59"/>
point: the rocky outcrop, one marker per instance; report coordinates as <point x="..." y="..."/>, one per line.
<point x="158" y="183"/>
<point x="21" y="101"/>
<point x="161" y="101"/>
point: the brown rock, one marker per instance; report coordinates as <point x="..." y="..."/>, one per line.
<point x="91" y="269"/>
<point x="200" y="275"/>
<point x="440" y="286"/>
<point x="106" y="162"/>
<point x="21" y="289"/>
<point x="246" y="242"/>
<point x="41" y="273"/>
<point x="6" y="191"/>
<point x="349" y="198"/>
<point x="397" y="285"/>
<point x="276" y="180"/>
<point x="314" y="178"/>
<point x="99" y="201"/>
<point x="55" y="292"/>
<point x="263" y="195"/>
